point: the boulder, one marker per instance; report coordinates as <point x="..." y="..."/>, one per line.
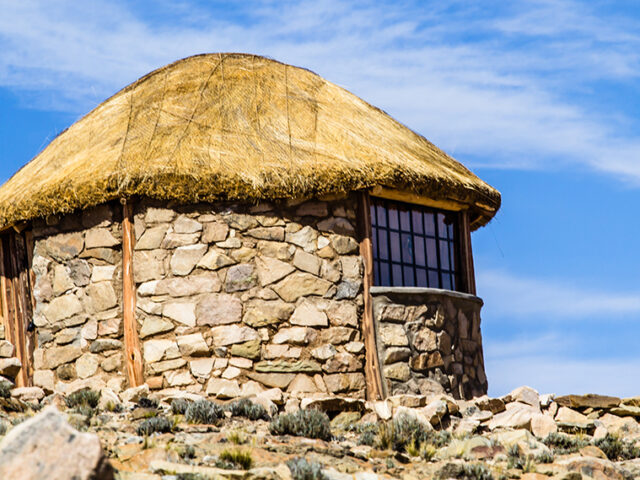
<point x="571" y="419"/>
<point x="588" y="401"/>
<point x="517" y="415"/>
<point x="32" y="451"/>
<point x="524" y="395"/>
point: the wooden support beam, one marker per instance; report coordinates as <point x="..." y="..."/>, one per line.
<point x="131" y="339"/>
<point x="466" y="254"/>
<point x="372" y="371"/>
<point x="4" y="300"/>
<point x="22" y="303"/>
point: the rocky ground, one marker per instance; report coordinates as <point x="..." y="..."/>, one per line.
<point x="181" y="436"/>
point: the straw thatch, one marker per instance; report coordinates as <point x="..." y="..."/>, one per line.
<point x="230" y="127"/>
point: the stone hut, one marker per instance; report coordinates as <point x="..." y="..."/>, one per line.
<point x="229" y="224"/>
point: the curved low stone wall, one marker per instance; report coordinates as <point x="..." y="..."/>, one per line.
<point x="429" y="341"/>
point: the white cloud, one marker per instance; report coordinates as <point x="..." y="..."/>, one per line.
<point x="493" y="86"/>
<point x="510" y="296"/>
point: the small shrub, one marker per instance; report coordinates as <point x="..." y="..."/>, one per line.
<point x="401" y="432"/>
<point x="235" y="460"/>
<point x="83" y="398"/>
<point x="204" y="412"/>
<point x="179" y="406"/>
<point x="545" y="457"/>
<point x="562" y="444"/>
<point x="85" y="410"/>
<point x="113" y="407"/>
<point x="246" y="408"/>
<point x="303" y="470"/>
<point x="237" y="438"/>
<point x="5" y="390"/>
<point x="186" y="452"/>
<point x="146" y="402"/>
<point x="303" y="423"/>
<point x="475" y="471"/>
<point x="617" y="449"/>
<point x="155" y="424"/>
<point x="428" y="451"/>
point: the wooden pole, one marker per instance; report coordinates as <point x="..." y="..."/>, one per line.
<point x="131" y="340"/>
<point x="466" y="252"/>
<point x="22" y="305"/>
<point x="373" y="375"/>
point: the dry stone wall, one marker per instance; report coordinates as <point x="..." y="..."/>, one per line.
<point x="78" y="283"/>
<point x="429" y="341"/>
<point x="232" y="300"/>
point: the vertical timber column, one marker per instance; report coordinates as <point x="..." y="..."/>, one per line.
<point x="131" y="340"/>
<point x="373" y="376"/>
<point x="468" y="272"/>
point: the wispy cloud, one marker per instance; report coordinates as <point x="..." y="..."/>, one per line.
<point x="495" y="83"/>
<point x="513" y="296"/>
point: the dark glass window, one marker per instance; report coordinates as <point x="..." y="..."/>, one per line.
<point x="414" y="246"/>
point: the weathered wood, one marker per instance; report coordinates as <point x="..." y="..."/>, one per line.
<point x="22" y="304"/>
<point x="373" y="374"/>
<point x="32" y="339"/>
<point x="407" y="197"/>
<point x="466" y="254"/>
<point x="3" y="291"/>
<point x="134" y="365"/>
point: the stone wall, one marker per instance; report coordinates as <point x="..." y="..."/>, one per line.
<point x="78" y="291"/>
<point x="429" y="341"/>
<point x="233" y="300"/>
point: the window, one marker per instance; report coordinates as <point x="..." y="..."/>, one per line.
<point x="414" y="246"/>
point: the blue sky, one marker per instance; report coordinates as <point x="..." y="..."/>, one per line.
<point x="540" y="98"/>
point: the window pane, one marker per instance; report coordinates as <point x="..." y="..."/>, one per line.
<point x="416" y="217"/>
<point x="407" y="248"/>
<point x="429" y="224"/>
<point x="432" y="254"/>
<point x="393" y="218"/>
<point x="383" y="245"/>
<point x="444" y="255"/>
<point x="376" y="273"/>
<point x="382" y="216"/>
<point x="385" y="274"/>
<point x="421" y="278"/>
<point x="452" y="260"/>
<point x="419" y="251"/>
<point x="397" y="275"/>
<point x="442" y="227"/>
<point x="434" y="279"/>
<point x="408" y="277"/>
<point x="374" y="241"/>
<point x="372" y="212"/>
<point x="394" y="240"/>
<point x="405" y="220"/>
<point x="446" y="281"/>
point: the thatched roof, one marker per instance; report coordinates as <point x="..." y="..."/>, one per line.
<point x="234" y="127"/>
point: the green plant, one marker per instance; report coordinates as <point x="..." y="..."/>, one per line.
<point x="204" y="412"/>
<point x="5" y="390"/>
<point x="155" y="424"/>
<point x="236" y="438"/>
<point x="617" y="449"/>
<point x="303" y="423"/>
<point x="545" y="457"/>
<point x="235" y="460"/>
<point x="83" y="398"/>
<point x="186" y="452"/>
<point x="428" y="451"/>
<point x="246" y="408"/>
<point x="475" y="471"/>
<point x="179" y="405"/>
<point x="303" y="470"/>
<point x="562" y="444"/>
<point x="113" y="407"/>
<point x="401" y="432"/>
<point x="146" y="402"/>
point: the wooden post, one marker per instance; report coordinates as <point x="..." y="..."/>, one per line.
<point x="4" y="297"/>
<point x="466" y="254"/>
<point x="131" y="340"/>
<point x="373" y="375"/>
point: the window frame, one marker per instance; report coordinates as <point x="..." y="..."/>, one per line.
<point x="457" y="240"/>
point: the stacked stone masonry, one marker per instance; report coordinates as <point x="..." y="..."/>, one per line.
<point x="429" y="341"/>
<point x="231" y="300"/>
